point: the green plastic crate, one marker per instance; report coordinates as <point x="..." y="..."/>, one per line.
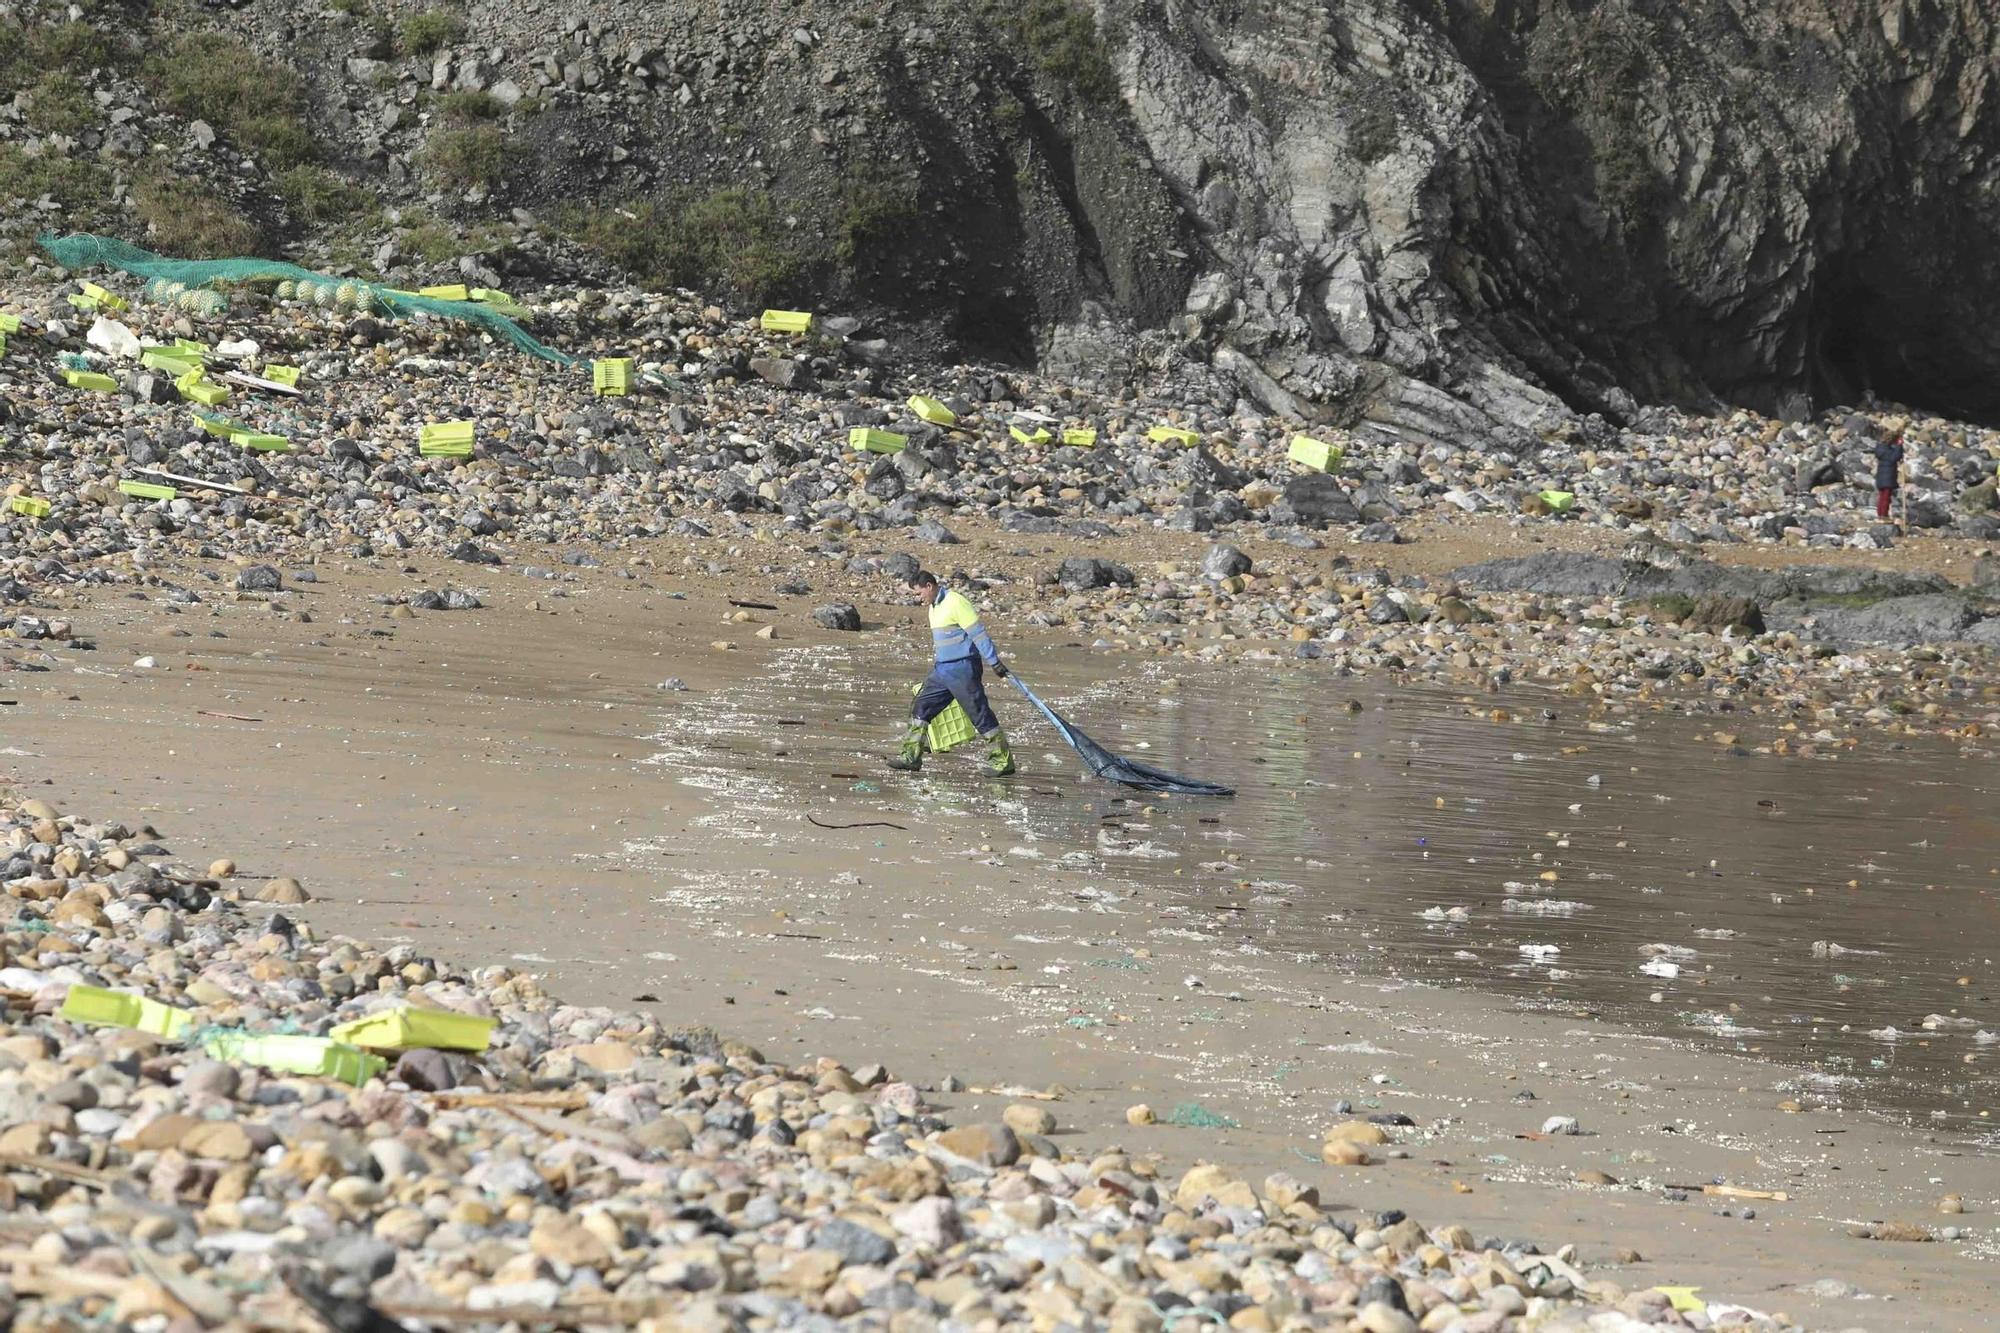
<point x="877" y="441"/>
<point x="203" y="392"/>
<point x="147" y="490"/>
<point x="262" y="443"/>
<point x="950" y="729"/>
<point x="404" y="1028"/>
<point x="222" y="428"/>
<point x="194" y="347"/>
<point x="29" y="505"/>
<point x="170" y="361"/>
<point x="1173" y="435"/>
<point x="445" y="439"/>
<point x="315" y="1057"/>
<point x="285" y="375"/>
<point x="3" y="344"/>
<point x="1316" y="455"/>
<point x="10" y="323"/>
<point x="90" y="379"/>
<point x="107" y="300"/>
<point x="1037" y="436"/>
<point x="120" y="1009"/>
<point x="499" y="302"/>
<point x="611" y="377"/>
<point x="931" y="410"/>
<point x="1560" y="502"/>
<point x="1082" y="437"/>
<point x="786" y="321"/>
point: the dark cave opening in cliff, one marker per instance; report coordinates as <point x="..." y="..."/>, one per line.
<point x="1896" y="348"/>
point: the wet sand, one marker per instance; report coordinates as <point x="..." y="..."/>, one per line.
<point x="477" y="784"/>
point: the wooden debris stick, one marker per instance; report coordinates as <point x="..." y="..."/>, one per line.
<point x="573" y="1129"/>
<point x="203" y="1300"/>
<point x="198" y="482"/>
<point x="233" y="717"/>
<point x="59" y="1169"/>
<point x="1015" y="1091"/>
<point x="1733" y="1192"/>
<point x="27" y="1278"/>
<point x="606" y="1146"/>
<point x="250" y="381"/>
<point x="568" y="1099"/>
<point x="572" y="1316"/>
<point x="866" y="823"/>
<point x="220" y="488"/>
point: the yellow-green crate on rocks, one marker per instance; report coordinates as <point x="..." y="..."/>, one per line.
<point x="29" y="505"/>
<point x="445" y="439"/>
<point x="1559" y="502"/>
<point x="877" y="441"/>
<point x="107" y="300"/>
<point x="222" y="428"/>
<point x="933" y="411"/>
<point x="118" y="1009"/>
<point x="287" y="1053"/>
<point x="262" y="443"/>
<point x="406" y="1028"/>
<point x="147" y="490"/>
<point x="786" y="321"/>
<point x="285" y="375"/>
<point x="611" y="377"/>
<point x="198" y="390"/>
<point x="90" y="379"/>
<point x="1317" y="455"/>
<point x="1083" y="437"/>
<point x="170" y="361"/>
<point x="1036" y="436"/>
<point x="1173" y="435"/>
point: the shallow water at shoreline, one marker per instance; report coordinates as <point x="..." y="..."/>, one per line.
<point x="1839" y="915"/>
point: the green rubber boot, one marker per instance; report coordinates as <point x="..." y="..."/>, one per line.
<point x="999" y="755"/>
<point x="911" y="757"/>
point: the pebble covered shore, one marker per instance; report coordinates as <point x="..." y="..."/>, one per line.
<point x="593" y="1168"/>
<point x="733" y="450"/>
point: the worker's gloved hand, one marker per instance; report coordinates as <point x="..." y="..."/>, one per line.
<point x="1000" y="670"/>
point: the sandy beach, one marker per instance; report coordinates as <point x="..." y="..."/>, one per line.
<point x="478" y="786"/>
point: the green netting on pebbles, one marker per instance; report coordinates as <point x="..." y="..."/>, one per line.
<point x="191" y="285"/>
<point x="1193" y="1115"/>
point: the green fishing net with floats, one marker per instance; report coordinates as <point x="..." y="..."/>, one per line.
<point x="194" y="287"/>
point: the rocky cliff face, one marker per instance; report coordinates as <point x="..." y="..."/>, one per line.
<point x="1446" y="217"/>
<point x="1766" y="204"/>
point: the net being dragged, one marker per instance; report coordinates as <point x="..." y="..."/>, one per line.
<point x="171" y="279"/>
<point x="1115" y="768"/>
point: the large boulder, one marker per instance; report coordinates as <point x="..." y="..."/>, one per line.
<point x="1718" y="612"/>
<point x="1313" y="501"/>
<point x="1907" y="621"/>
<point x="1081" y="574"/>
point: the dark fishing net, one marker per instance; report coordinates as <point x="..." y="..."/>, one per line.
<point x="1116" y="768"/>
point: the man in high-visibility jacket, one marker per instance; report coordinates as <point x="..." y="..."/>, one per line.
<point x="960" y="648"/>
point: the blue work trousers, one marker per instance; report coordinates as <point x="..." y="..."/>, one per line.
<point x="961" y="680"/>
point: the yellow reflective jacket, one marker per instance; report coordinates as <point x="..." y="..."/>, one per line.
<point x="956" y="634"/>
